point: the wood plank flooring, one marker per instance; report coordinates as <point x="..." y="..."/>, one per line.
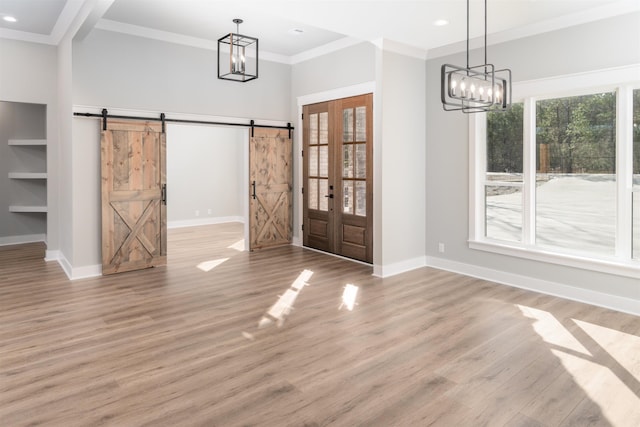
<point x="204" y="342"/>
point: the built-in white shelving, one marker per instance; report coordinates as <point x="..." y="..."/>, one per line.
<point x="28" y="175"/>
<point x="27" y="142"/>
<point x="40" y="205"/>
<point x="27" y="209"/>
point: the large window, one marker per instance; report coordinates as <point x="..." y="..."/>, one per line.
<point x="558" y="177"/>
<point x="575" y="173"/>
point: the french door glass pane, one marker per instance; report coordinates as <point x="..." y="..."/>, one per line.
<point x="324" y="161"/>
<point x="503" y="213"/>
<point x="313" y="129"/>
<point x="313" y="161"/>
<point x="361" y="160"/>
<point x="323" y="193"/>
<point x="347" y="196"/>
<point x="576" y="181"/>
<point x="324" y="128"/>
<point x="361" y="124"/>
<point x="347" y="125"/>
<point x="313" y="193"/>
<point x="347" y="161"/>
<point x="361" y="198"/>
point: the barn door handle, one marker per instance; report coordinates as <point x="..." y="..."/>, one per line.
<point x="164" y="194"/>
<point x="253" y="184"/>
<point x="329" y="196"/>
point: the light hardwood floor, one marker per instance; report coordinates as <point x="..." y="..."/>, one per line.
<point x="181" y="346"/>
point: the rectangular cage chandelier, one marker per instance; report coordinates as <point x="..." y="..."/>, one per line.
<point x="475" y="89"/>
<point x="237" y="56"/>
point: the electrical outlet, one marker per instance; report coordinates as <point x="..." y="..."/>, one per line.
<point x="441" y="247"/>
<point x="197" y="213"/>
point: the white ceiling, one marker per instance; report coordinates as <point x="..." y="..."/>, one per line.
<point x="324" y="22"/>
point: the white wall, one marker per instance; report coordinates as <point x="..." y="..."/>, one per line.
<point x="28" y="73"/>
<point x="204" y="173"/>
<point x="598" y="45"/>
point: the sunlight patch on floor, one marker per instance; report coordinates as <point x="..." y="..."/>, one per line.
<point x="623" y="347"/>
<point x="210" y="265"/>
<point x="551" y="330"/>
<point x="284" y="304"/>
<point x="349" y="297"/>
<point x="609" y="374"/>
<point x="238" y="246"/>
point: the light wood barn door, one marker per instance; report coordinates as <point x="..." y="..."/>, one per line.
<point x="134" y="226"/>
<point x="270" y="185"/>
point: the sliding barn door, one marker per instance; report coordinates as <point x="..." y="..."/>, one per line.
<point x="338" y="177"/>
<point x="134" y="226"/>
<point x="270" y="182"/>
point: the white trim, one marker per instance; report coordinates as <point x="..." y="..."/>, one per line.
<point x="169" y="37"/>
<point x="204" y="221"/>
<point x="86" y="272"/>
<point x="65" y="264"/>
<point x="620" y="7"/>
<point x="583" y="262"/>
<point x="25" y="238"/>
<point x="576" y="84"/>
<point x="400" y="48"/>
<point x="338" y="93"/>
<point x="325" y="49"/>
<point x="297" y="241"/>
<point x="51" y="255"/>
<point x="399" y="267"/>
<point x="600" y="299"/>
<point x="624" y="168"/>
<point x="65" y="20"/>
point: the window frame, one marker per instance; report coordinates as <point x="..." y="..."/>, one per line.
<point x="623" y="81"/>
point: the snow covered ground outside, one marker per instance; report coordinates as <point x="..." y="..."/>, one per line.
<point x="576" y="212"/>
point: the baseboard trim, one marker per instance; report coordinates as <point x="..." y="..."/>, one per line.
<point x="76" y="273"/>
<point x="25" y="238"/>
<point x="66" y="265"/>
<point x="398" y="267"/>
<point x="204" y="221"/>
<point x="600" y="299"/>
<point x="51" y="255"/>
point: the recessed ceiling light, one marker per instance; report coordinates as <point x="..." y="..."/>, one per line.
<point x="440" y="22"/>
<point x="9" y="18"/>
<point x="296" y="31"/>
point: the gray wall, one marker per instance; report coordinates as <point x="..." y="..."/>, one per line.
<point x="28" y="73"/>
<point x="347" y="67"/>
<point x="205" y="166"/>
<point x="127" y="72"/>
<point x="22" y="121"/>
<point x="598" y="45"/>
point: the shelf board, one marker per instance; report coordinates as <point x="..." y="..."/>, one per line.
<point x="27" y="142"/>
<point x="28" y="175"/>
<point x="27" y="209"/>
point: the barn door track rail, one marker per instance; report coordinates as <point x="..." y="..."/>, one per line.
<point x="105" y="116"/>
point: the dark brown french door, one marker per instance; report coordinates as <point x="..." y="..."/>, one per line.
<point x="338" y="177"/>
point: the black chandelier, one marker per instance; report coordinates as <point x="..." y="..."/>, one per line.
<point x="237" y="56"/>
<point x="478" y="88"/>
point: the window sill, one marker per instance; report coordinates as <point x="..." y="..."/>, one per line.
<point x="610" y="266"/>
